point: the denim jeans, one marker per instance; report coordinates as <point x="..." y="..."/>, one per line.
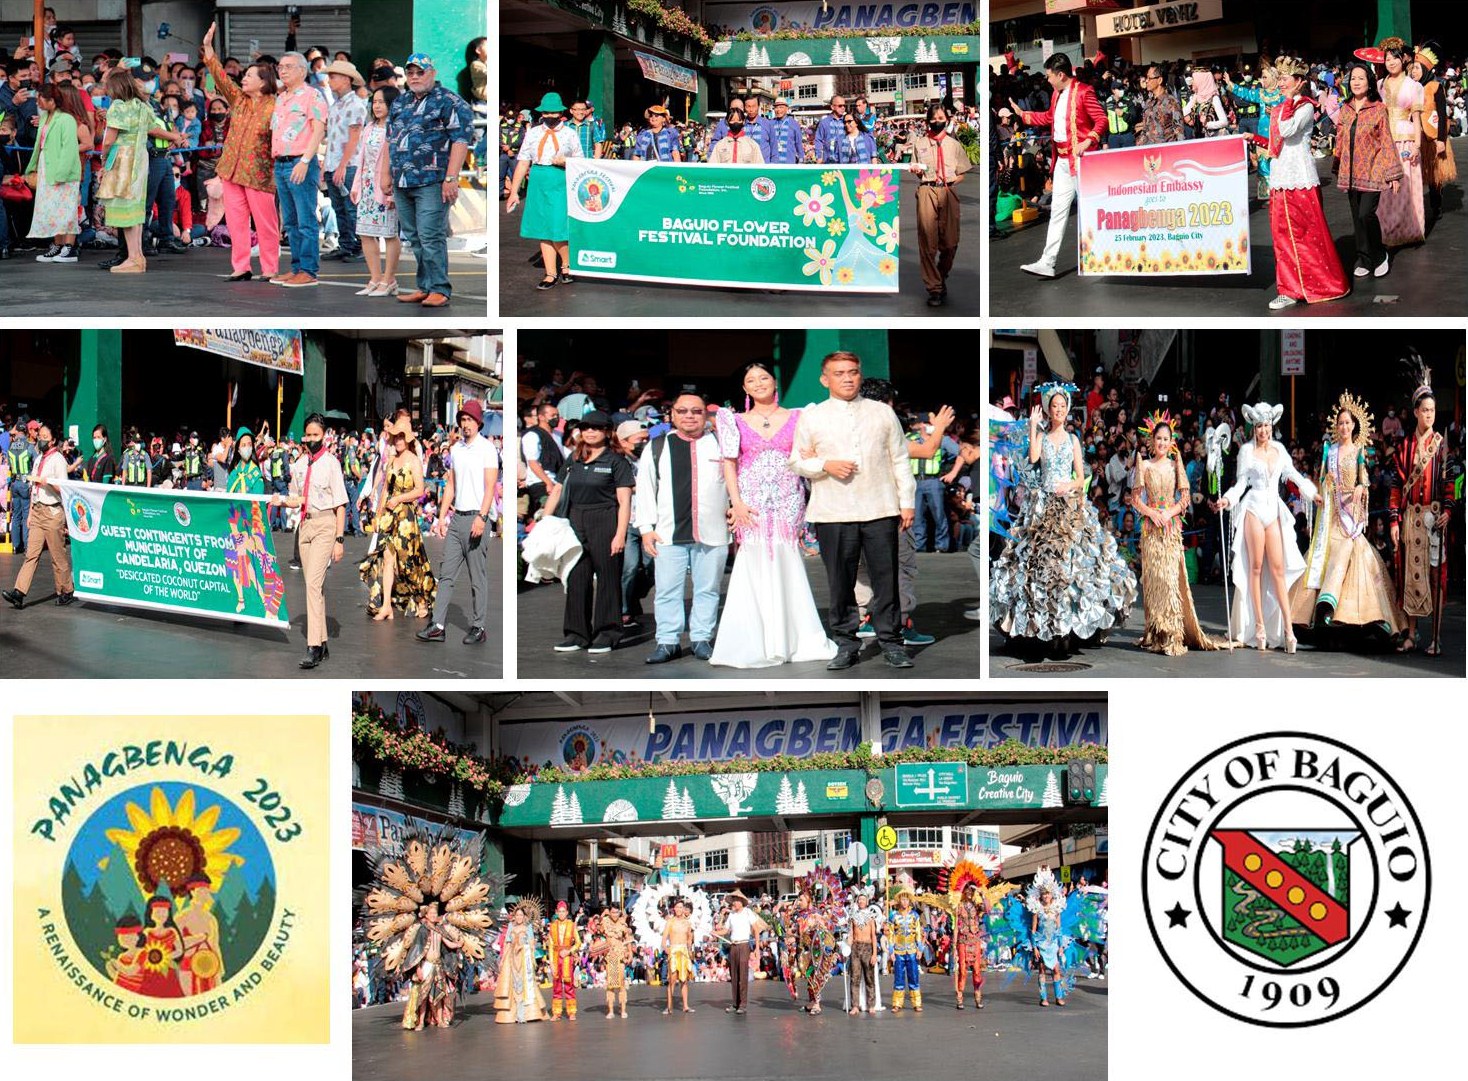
<point x="930" y="501"/>
<point x="632" y="561"/>
<point x="671" y="567"/>
<point x="160" y="189"/>
<point x="346" y="210"/>
<point x="20" y="510"/>
<point x="423" y="218"/>
<point x="4" y="228"/>
<point x="298" y="215"/>
<point x="354" y="516"/>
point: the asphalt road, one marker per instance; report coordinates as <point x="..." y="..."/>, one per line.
<point x="1421" y="282"/>
<point x="1120" y="656"/>
<point x="93" y="640"/>
<point x="1011" y="1037"/>
<point x="190" y="284"/>
<point x="945" y="587"/>
<point x="602" y="296"/>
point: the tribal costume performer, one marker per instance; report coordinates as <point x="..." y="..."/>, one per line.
<point x="1422" y="503"/>
<point x="863" y="918"/>
<point x="968" y="938"/>
<point x="617" y="942"/>
<point x="907" y="938"/>
<point x="810" y="951"/>
<point x="1047" y="939"/>
<point x="516" y="991"/>
<point x="1438" y="164"/>
<point x="1345" y="584"/>
<point x="428" y="912"/>
<point x="563" y="944"/>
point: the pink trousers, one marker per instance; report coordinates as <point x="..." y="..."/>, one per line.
<point x="240" y="205"/>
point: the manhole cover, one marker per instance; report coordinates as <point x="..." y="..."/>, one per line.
<point x="1049" y="667"/>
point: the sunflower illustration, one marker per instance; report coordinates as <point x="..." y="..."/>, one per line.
<point x="157" y="959"/>
<point x="846" y="275"/>
<point x="170" y="844"/>
<point x="888" y="266"/>
<point x="836" y="227"/>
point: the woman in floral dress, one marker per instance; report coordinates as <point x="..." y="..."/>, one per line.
<point x="58" y="172"/>
<point x="396" y="570"/>
<point x="376" y="218"/>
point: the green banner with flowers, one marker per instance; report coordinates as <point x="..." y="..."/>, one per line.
<point x="817" y="227"/>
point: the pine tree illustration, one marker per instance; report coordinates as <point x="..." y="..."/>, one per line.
<point x="785" y="799"/>
<point x="560" y="805"/>
<point x="671" y="807"/>
<point x="802" y="801"/>
<point x="1051" y="798"/>
<point x="686" y="806"/>
<point x="1101" y="799"/>
<point x="574" y="811"/>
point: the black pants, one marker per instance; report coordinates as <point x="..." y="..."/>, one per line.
<point x="1369" y="251"/>
<point x="843" y="544"/>
<point x="739" y="973"/>
<point x="595" y="527"/>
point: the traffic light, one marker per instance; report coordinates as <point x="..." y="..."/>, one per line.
<point x="1080" y="781"/>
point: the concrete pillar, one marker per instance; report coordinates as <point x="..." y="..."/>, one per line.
<point x="92" y="388"/>
<point x="871" y="721"/>
<point x="867" y="835"/>
<point x="599" y="61"/>
<point x="700" y="106"/>
<point x="1394" y="17"/>
<point x="313" y="382"/>
<point x="798" y="354"/>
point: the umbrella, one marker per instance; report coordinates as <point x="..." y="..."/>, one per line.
<point x="336" y="414"/>
<point x="494" y="424"/>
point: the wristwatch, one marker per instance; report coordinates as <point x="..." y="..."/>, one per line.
<point x="482" y="516"/>
<point x="340" y="539"/>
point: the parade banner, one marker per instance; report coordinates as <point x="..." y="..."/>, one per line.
<point x="746" y="17"/>
<point x="171" y="880"/>
<point x="815" y="227"/>
<point x="378" y="827"/>
<point x="199" y="553"/>
<point x="276" y="349"/>
<point x="874" y="51"/>
<point x="656" y="69"/>
<point x="716" y="737"/>
<point x="1170" y="208"/>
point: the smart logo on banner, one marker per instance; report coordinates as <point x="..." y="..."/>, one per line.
<point x="815" y="227"/>
<point x="1286" y="879"/>
<point x="170" y="880"/>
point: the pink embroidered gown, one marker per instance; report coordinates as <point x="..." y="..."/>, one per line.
<point x="769" y="616"/>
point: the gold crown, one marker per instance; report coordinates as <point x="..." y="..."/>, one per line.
<point x="1349" y="403"/>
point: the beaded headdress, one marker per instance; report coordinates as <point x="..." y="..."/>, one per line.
<point x="1046" y="391"/>
<point x="1291" y="65"/>
<point x="1349" y="403"/>
<point x="1426" y="56"/>
<point x="1157" y="419"/>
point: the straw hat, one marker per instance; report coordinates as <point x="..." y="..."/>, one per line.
<point x="345" y="67"/>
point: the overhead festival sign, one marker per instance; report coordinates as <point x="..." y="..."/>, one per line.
<point x="796" y="731"/>
<point x="830" y="228"/>
<point x="1169" y="208"/>
<point x="658" y="70"/>
<point x="190" y="552"/>
<point x="756" y="18"/>
<point x="280" y="350"/>
<point x="378" y="827"/>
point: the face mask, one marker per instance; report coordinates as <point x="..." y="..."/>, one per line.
<point x="551" y="121"/>
<point x="936" y="128"/>
<point x="218" y="118"/>
<point x="247" y="453"/>
<point x="311" y="445"/>
<point x="151" y="86"/>
<point x="737" y="126"/>
<point x="187" y="84"/>
<point x="43" y="445"/>
<point x="98" y="444"/>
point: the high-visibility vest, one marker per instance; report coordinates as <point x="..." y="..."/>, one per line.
<point x="925" y="467"/>
<point x="277" y="463"/>
<point x="135" y="467"/>
<point x="193" y="462"/>
<point x="20" y="461"/>
<point x="1116" y="118"/>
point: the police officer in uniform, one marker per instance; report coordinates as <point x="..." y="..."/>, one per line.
<point x="1121" y="117"/>
<point x="193" y="464"/>
<point x="137" y="467"/>
<point x="939" y="161"/>
<point x="21" y="456"/>
<point x="929" y="499"/>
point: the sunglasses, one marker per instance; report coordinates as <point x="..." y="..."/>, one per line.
<point x="689" y="412"/>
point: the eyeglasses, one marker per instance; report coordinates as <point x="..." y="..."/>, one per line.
<point x="688" y="412"/>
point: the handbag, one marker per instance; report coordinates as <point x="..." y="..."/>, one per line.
<point x="14" y="189"/>
<point x="117" y="177"/>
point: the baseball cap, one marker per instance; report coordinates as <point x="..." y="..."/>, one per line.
<point x="419" y="60"/>
<point x="383" y="74"/>
<point x="628" y="428"/>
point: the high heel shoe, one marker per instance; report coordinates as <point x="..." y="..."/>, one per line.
<point x="1290" y="643"/>
<point x="1261" y="640"/>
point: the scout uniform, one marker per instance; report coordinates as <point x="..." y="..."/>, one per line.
<point x="937" y="209"/>
<point x="545" y="215"/>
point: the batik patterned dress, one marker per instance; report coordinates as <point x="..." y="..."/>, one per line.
<point x="1171" y="624"/>
<point x="397" y="531"/>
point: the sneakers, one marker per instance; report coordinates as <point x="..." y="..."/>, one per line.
<point x="866" y="630"/>
<point x="431" y="633"/>
<point x="896" y="657"/>
<point x="916" y="638"/>
<point x="1040" y="270"/>
<point x="664" y="653"/>
<point x="1279" y="303"/>
<point x="570" y="645"/>
<point x="50" y="254"/>
<point x="600" y="645"/>
<point x="973" y="613"/>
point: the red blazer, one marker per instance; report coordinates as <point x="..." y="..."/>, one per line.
<point x="1086" y="119"/>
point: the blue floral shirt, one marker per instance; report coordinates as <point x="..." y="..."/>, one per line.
<point x="420" y="132"/>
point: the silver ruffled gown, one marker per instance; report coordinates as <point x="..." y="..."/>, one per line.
<point x="1059" y="580"/>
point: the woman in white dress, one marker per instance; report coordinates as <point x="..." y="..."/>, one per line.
<point x="769" y="616"/>
<point x="1264" y="537"/>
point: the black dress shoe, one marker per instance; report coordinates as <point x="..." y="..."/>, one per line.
<point x="314" y="656"/>
<point x="116" y="260"/>
<point x="935" y="300"/>
<point x="844" y="659"/>
<point x="63" y="599"/>
<point x="702" y="650"/>
<point x="15" y="597"/>
<point x="178" y="247"/>
<point x="431" y="633"/>
<point x="474" y="637"/>
<point x="664" y="653"/>
<point x="242" y="276"/>
<point x="896" y="657"/>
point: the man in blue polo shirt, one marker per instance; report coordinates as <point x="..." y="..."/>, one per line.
<point x="756" y="126"/>
<point x="787" y="137"/>
<point x="658" y="141"/>
<point x="830" y="130"/>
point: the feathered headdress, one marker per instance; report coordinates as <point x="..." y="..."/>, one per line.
<point x="1157" y="419"/>
<point x="1263" y="413"/>
<point x="1046" y="391"/>
<point x="1044" y="882"/>
<point x="1421" y="376"/>
<point x="967" y="872"/>
<point x="1427" y="55"/>
<point x="1352" y="405"/>
<point x="432" y="867"/>
<point x="1392" y="44"/>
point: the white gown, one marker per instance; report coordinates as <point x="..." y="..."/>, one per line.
<point x="769" y="616"/>
<point x="1263" y="500"/>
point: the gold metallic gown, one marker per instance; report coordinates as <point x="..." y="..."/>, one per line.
<point x="1342" y="570"/>
<point x="1171" y="624"/>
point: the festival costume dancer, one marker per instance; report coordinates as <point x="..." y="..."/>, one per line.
<point x="1403" y="217"/>
<point x="617" y="937"/>
<point x="397" y="569"/>
<point x="428" y="913"/>
<point x="810" y="952"/>
<point x="1439" y="167"/>
<point x="678" y="943"/>
<point x="1346" y="584"/>
<point x="563" y="944"/>
<point x="1422" y="504"/>
<point x="1059" y="579"/>
<point x="968" y="941"/>
<point x="1161" y="499"/>
<point x="516" y="991"/>
<point x="907" y="935"/>
<point x="1265" y="534"/>
<point x="769" y="616"/>
<point x="1306" y="266"/>
<point x="863" y="919"/>
<point x="1047" y="940"/>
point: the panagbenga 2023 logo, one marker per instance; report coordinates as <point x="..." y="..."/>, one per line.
<point x="1286" y="879"/>
<point x="171" y="880"/>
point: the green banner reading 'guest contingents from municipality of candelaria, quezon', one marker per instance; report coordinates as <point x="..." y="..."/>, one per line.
<point x="198" y="553"/>
<point x="816" y="227"/>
